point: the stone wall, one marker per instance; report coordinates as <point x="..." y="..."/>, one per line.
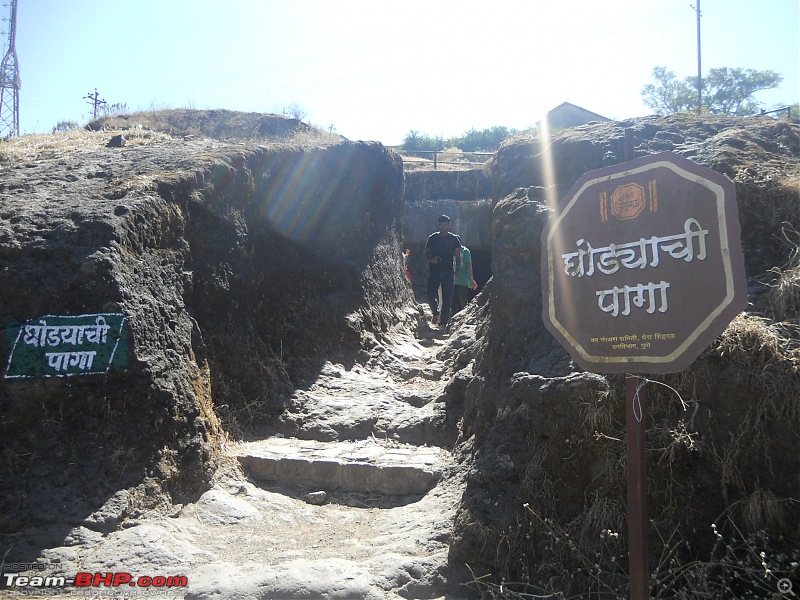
<point x="472" y="184"/>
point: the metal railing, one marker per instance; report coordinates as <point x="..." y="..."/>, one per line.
<point x="788" y="110"/>
<point x="443" y="157"/>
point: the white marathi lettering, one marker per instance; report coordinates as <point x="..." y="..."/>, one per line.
<point x="579" y="268"/>
<point x="55" y="360"/>
<point x="624" y="346"/>
<point x="72" y="334"/>
<point x="42" y="335"/>
<point x="62" y="361"/>
<point x="35" y="334"/>
<point x="96" y="334"/>
<point x="82" y="360"/>
<point x="636" y="295"/>
<point x="691" y="230"/>
<point x="634" y="255"/>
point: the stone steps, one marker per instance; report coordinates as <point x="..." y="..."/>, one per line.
<point x="365" y="466"/>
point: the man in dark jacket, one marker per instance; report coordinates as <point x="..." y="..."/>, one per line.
<point x="440" y="249"/>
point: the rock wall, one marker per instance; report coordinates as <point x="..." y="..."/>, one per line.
<point x="293" y="279"/>
<point x="472" y="184"/>
<point x="545" y="504"/>
<point x="237" y="269"/>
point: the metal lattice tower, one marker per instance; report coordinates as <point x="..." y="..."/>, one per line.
<point x="10" y="81"/>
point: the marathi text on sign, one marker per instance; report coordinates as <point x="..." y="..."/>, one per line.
<point x="612" y="255"/>
<point x="62" y="346"/>
<point x="642" y="265"/>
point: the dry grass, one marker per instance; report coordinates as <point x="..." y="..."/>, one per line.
<point x="68" y="145"/>
<point x="220" y="125"/>
<point x="163" y="126"/>
<point x="763" y="510"/>
<point x="603" y="515"/>
<point x="201" y="384"/>
<point x="784" y="295"/>
<point x="680" y="440"/>
<point x="770" y="214"/>
<point x="768" y="352"/>
<point x="596" y="412"/>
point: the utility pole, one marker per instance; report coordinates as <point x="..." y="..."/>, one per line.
<point x="10" y="81"/>
<point x="93" y="100"/>
<point x="699" y="70"/>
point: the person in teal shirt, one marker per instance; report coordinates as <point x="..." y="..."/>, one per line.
<point x="464" y="281"/>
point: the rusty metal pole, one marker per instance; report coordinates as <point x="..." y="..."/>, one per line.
<point x="637" y="469"/>
<point x="629" y="144"/>
<point x="637" y="491"/>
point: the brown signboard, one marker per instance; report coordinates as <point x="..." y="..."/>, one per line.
<point x="642" y="266"/>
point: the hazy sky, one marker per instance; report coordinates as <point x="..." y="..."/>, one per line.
<point x="377" y="69"/>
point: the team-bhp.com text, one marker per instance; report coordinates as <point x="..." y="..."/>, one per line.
<point x="84" y="579"/>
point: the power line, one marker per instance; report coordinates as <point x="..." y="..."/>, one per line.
<point x="699" y="70"/>
<point x="10" y="82"/>
<point x="94" y="100"/>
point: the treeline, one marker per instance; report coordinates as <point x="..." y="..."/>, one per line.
<point x="484" y="140"/>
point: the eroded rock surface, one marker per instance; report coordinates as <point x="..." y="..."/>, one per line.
<point x="545" y="501"/>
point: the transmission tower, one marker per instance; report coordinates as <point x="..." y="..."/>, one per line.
<point x="10" y="81"/>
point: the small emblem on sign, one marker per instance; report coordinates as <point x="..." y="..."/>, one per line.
<point x="627" y="201"/>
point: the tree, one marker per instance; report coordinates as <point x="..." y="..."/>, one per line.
<point x="485" y="140"/>
<point x="725" y="91"/>
<point x="414" y="140"/>
<point x="295" y="111"/>
<point x="668" y="95"/>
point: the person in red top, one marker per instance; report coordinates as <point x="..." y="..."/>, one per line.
<point x="440" y="249"/>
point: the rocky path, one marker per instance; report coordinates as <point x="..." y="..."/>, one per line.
<point x="351" y="495"/>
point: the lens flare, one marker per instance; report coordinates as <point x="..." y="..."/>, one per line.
<point x="310" y="196"/>
<point x="548" y="169"/>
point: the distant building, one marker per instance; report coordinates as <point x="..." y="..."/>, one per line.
<point x="568" y="115"/>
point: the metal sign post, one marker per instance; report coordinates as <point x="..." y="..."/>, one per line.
<point x="637" y="490"/>
<point x="636" y="457"/>
<point x="642" y="269"/>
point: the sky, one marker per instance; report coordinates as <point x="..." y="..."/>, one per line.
<point x="378" y="69"/>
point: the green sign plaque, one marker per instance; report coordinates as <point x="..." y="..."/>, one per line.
<point x="53" y="346"/>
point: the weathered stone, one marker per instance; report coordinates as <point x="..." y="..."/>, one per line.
<point x="316" y="498"/>
<point x="118" y="141"/>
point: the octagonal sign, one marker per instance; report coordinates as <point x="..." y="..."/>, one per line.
<point x="642" y="268"/>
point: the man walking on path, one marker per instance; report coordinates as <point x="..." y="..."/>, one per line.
<point x="440" y="249"/>
<point x="464" y="281"/>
